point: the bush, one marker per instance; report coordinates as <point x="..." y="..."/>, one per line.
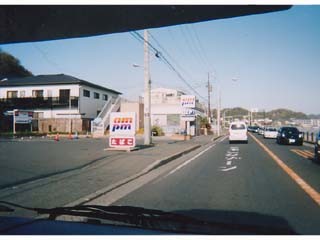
<point x="140" y="131"/>
<point x="157" y="131"/>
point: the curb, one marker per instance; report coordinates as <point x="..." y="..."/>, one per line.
<point x="118" y="184"/>
<point x="216" y="138"/>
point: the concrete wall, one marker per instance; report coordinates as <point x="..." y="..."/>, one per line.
<point x="136" y="107"/>
<point x="60" y="125"/>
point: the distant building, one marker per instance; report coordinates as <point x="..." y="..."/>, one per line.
<point x="55" y="99"/>
<point x="166" y="111"/>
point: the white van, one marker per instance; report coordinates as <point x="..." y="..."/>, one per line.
<point x="238" y="132"/>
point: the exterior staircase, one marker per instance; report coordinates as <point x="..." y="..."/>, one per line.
<point x="101" y="122"/>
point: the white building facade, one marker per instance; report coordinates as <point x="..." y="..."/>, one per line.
<point x="166" y="111"/>
<point x="55" y="99"/>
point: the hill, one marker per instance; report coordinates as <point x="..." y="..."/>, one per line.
<point x="277" y="114"/>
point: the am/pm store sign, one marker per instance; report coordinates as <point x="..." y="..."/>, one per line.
<point x="122" y="130"/>
<point x="188" y="101"/>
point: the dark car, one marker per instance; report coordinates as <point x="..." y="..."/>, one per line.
<point x="289" y="135"/>
<point x="317" y="148"/>
<point x="253" y="128"/>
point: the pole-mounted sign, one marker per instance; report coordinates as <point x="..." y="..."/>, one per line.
<point x="122" y="130"/>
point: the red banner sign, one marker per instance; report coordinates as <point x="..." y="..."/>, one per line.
<point x="122" y="142"/>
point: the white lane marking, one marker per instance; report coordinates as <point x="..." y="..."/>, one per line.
<point x="229" y="162"/>
<point x="223" y="138"/>
<point x="189" y="160"/>
<point x="228" y="169"/>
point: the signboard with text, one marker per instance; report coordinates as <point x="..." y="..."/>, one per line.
<point x="23" y="117"/>
<point x="188" y="112"/>
<point x="188" y="101"/>
<point x="122" y="129"/>
<point x="122" y="141"/>
<point x="123" y="123"/>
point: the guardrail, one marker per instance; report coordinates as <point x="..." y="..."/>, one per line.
<point x="309" y="137"/>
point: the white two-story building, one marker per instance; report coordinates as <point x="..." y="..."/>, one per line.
<point x="59" y="102"/>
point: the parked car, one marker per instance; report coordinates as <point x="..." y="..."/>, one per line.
<point x="317" y="148"/>
<point x="270" y="132"/>
<point x="238" y="132"/>
<point x="289" y="135"/>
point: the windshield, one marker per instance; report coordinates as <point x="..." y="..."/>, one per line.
<point x="142" y="115"/>
<point x="238" y="126"/>
<point x="291" y="130"/>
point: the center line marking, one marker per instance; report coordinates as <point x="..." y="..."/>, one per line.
<point x="304" y="185"/>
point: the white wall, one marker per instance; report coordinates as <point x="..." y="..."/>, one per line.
<point x="90" y="105"/>
<point x="74" y="90"/>
<point x="166" y="108"/>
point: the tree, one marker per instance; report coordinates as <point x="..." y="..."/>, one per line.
<point x="11" y="67"/>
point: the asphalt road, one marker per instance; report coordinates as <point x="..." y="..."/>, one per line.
<point x="25" y="160"/>
<point x="238" y="183"/>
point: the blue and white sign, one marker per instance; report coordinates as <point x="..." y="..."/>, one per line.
<point x="188" y="112"/>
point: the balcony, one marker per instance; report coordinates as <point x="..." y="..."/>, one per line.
<point x="39" y="103"/>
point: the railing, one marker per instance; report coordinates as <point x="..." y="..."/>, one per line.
<point x="101" y="122"/>
<point x="39" y="102"/>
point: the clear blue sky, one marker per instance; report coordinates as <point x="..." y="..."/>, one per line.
<point x="275" y="58"/>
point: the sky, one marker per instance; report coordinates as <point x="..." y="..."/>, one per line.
<point x="265" y="61"/>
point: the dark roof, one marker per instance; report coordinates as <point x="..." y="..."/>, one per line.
<point x="25" y="23"/>
<point x="54" y="79"/>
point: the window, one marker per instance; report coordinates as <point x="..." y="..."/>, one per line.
<point x="12" y="94"/>
<point x="37" y="93"/>
<point x="96" y="95"/>
<point x="105" y="97"/>
<point x="86" y="93"/>
<point x="238" y="126"/>
<point x="64" y="95"/>
<point x="22" y="93"/>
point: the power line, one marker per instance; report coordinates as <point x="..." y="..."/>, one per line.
<point x="45" y="56"/>
<point x="190" y="46"/>
<point x="201" y="47"/>
<point x="160" y="56"/>
<point x="197" y="44"/>
<point x="169" y="56"/>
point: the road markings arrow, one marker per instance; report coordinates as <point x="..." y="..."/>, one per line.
<point x="228" y="169"/>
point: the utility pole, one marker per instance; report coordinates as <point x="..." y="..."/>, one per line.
<point x="209" y="86"/>
<point x="147" y="92"/>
